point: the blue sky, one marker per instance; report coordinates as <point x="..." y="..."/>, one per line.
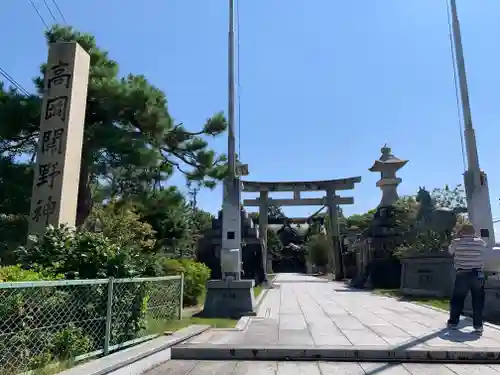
<point x="324" y="83"/>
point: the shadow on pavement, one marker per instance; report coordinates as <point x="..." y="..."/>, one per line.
<point x="445" y="334"/>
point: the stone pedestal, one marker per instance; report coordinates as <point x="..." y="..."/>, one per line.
<point x="229" y="299"/>
<point x="210" y="249"/>
<point x="491" y="301"/>
<point x="428" y="274"/>
<point x="230" y="263"/>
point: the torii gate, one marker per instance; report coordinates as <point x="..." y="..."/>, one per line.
<point x="331" y="200"/>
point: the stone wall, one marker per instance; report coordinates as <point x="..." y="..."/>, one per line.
<point x="491" y="303"/>
<point x="427" y="274"/>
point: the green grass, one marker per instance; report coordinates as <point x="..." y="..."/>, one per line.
<point x="160" y="327"/>
<point x="257" y="290"/>
<point x="187" y="320"/>
<point x="54" y="368"/>
<point x="176" y="325"/>
<point x="440" y="303"/>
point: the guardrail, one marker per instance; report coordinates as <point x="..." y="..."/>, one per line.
<point x="43" y="322"/>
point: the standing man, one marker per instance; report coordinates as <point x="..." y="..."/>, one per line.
<point x="468" y="252"/>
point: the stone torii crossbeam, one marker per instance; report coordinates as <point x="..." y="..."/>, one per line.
<point x="331" y="201"/>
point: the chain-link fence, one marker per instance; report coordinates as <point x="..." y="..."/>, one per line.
<point x="43" y="322"/>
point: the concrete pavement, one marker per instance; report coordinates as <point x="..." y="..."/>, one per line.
<point x="339" y="331"/>
<point x="174" y="367"/>
<point x="308" y="312"/>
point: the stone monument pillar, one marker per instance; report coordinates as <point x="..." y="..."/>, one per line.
<point x="387" y="165"/>
<point x="230" y="297"/>
<point x="59" y="151"/>
<point x="231" y="231"/>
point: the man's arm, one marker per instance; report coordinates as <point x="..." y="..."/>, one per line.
<point x="451" y="248"/>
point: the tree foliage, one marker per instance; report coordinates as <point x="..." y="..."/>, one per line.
<point x="359" y="221"/>
<point x="120" y="222"/>
<point x="274" y="245"/>
<point x="318" y="247"/>
<point x="131" y="143"/>
<point x="275" y="212"/>
<point x="130" y="222"/>
<point x="452" y="198"/>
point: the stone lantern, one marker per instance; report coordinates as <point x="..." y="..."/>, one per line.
<point x="387" y="165"/>
<point x="377" y="266"/>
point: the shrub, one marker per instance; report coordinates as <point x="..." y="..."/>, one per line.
<point x="17" y="273"/>
<point x="318" y="247"/>
<point x="170" y="267"/>
<point x="13" y="232"/>
<point x="423" y="242"/>
<point x="119" y="222"/>
<point x="196" y="275"/>
<point x="80" y="255"/>
<point x="62" y="252"/>
<point x="26" y="337"/>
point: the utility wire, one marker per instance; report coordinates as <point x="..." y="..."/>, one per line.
<point x="50" y="11"/>
<point x="39" y="14"/>
<point x="59" y="11"/>
<point x="16" y="84"/>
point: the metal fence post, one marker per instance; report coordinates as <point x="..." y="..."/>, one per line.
<point x="109" y="309"/>
<point x="181" y="299"/>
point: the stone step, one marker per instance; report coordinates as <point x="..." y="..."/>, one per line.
<point x="216" y="336"/>
<point x="241" y="352"/>
<point x="177" y="367"/>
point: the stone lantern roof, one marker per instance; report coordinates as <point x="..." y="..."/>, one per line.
<point x="387" y="160"/>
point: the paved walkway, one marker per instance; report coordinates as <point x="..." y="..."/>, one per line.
<point x="174" y="367"/>
<point x="307" y="312"/>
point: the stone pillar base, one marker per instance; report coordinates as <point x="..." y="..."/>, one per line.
<point x="269" y="264"/>
<point x="229" y="299"/>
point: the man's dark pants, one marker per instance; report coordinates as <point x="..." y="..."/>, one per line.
<point x="465" y="281"/>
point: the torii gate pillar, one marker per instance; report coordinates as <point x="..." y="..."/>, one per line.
<point x="263" y="222"/>
<point x="333" y="230"/>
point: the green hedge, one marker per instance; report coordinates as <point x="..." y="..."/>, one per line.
<point x="196" y="275"/>
<point x="40" y="325"/>
<point x="45" y="324"/>
<point x="32" y="328"/>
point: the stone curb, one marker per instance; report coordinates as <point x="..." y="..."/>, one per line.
<point x="245" y="320"/>
<point x="127" y="357"/>
<point x="348" y="354"/>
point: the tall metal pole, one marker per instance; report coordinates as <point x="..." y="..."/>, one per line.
<point x="231" y="205"/>
<point x="476" y="183"/>
<point x="470" y="138"/>
<point x="231" y="143"/>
